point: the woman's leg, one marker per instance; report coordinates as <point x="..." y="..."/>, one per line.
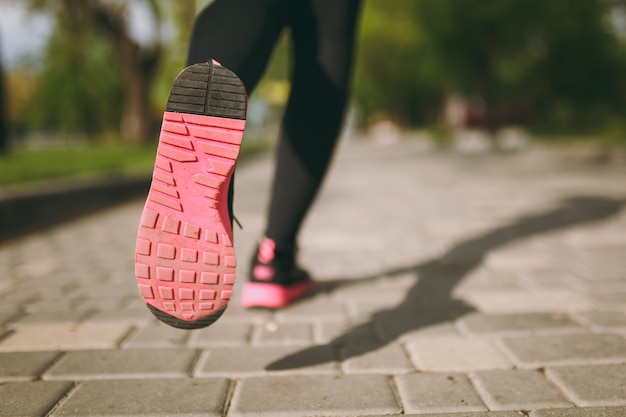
<point x="323" y="39"/>
<point x="239" y="34"/>
<point x="323" y="36"/>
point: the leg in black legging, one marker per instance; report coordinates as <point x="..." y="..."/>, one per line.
<point x="239" y="34"/>
<point x="323" y="38"/>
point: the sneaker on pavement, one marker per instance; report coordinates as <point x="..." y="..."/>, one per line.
<point x="275" y="279"/>
<point x="184" y="256"/>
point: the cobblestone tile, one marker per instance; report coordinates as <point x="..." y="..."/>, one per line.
<point x="24" y="366"/>
<point x="138" y="317"/>
<point x="603" y="320"/>
<point x="363" y="357"/>
<point x="285" y="334"/>
<point x="361" y="311"/>
<point x="32" y="398"/>
<point x="554" y="279"/>
<point x="44" y="318"/>
<point x="472" y="414"/>
<point x="50" y="305"/>
<point x="582" y="412"/>
<point x="517" y="390"/>
<point x="64" y="337"/>
<point x="370" y="292"/>
<point x="611" y="300"/>
<point x="8" y="316"/>
<point x="324" y="332"/>
<point x="109" y="292"/>
<point x="455" y="354"/>
<point x="517" y="324"/>
<point x="157" y="336"/>
<point x="581" y="349"/>
<point x="160" y="397"/>
<point x="221" y="334"/>
<point x="314" y="395"/>
<point x="235" y="313"/>
<point x="252" y="361"/>
<point x="438" y="330"/>
<point x="525" y="301"/>
<point x="102" y="304"/>
<point x="121" y="364"/>
<point x="319" y="309"/>
<point x="438" y="393"/>
<point x="587" y="386"/>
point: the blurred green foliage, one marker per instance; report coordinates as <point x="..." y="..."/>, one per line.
<point x="77" y="89"/>
<point x="548" y="64"/>
<point x="551" y="65"/>
<point x="21" y="166"/>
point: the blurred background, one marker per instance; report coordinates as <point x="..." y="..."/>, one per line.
<point x="87" y="80"/>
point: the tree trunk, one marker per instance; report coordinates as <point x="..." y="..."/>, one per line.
<point x="137" y="65"/>
<point x="136" y="121"/>
<point x="4" y="126"/>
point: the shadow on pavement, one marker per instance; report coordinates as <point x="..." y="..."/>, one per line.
<point x="430" y="301"/>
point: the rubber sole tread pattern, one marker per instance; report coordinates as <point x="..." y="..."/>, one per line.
<point x="209" y="90"/>
<point x="184" y="257"/>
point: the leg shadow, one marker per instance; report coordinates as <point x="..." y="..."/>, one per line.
<point x="430" y="301"/>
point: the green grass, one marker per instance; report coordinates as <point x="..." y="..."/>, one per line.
<point x="24" y="166"/>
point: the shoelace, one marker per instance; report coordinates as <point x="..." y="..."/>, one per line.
<point x="237" y="222"/>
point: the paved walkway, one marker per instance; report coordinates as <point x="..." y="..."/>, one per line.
<point x="456" y="285"/>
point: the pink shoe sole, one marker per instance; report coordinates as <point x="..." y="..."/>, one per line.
<point x="273" y="295"/>
<point x="184" y="257"/>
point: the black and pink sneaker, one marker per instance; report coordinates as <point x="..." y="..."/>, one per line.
<point x="275" y="279"/>
<point x="184" y="256"/>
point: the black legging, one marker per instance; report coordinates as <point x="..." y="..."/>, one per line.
<point x="241" y="34"/>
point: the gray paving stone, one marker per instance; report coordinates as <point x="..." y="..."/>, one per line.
<point x="317" y="309"/>
<point x="142" y="398"/>
<point x="53" y="317"/>
<point x="361" y="311"/>
<point x="362" y="357"/>
<point x="110" y="292"/>
<point x="438" y="393"/>
<point x="527" y="301"/>
<point x="31" y="398"/>
<point x="121" y="364"/>
<point x="102" y="304"/>
<point x="6" y="317"/>
<point x="253" y="361"/>
<point x="455" y="354"/>
<point x="157" y="336"/>
<point x="326" y="331"/>
<point x="283" y="334"/>
<point x="517" y="390"/>
<point x="235" y="313"/>
<point x="479" y="414"/>
<point x="314" y="395"/>
<point x="24" y="366"/>
<point x="370" y="292"/>
<point x="588" y="386"/>
<point x="612" y="300"/>
<point x="603" y="320"/>
<point x="222" y="334"/>
<point x="64" y="337"/>
<point x="441" y="329"/>
<point x="517" y="324"/>
<point x="50" y="305"/>
<point x="138" y="317"/>
<point x="581" y="412"/>
<point x="581" y="349"/>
